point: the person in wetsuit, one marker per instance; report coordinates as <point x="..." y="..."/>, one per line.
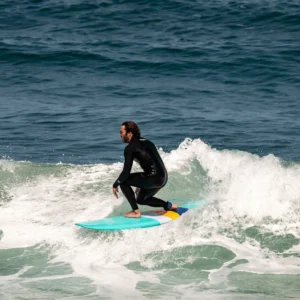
<point x="148" y="182"/>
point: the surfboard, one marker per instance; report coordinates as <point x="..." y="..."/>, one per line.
<point x="147" y="219"/>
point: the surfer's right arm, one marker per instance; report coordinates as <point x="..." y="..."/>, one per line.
<point x="128" y="155"/>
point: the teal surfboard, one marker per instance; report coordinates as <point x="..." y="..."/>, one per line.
<point x="148" y="219"/>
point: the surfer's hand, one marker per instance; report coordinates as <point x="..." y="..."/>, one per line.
<point x="137" y="190"/>
<point x="115" y="191"/>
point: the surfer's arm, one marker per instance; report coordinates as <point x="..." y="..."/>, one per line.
<point x="127" y="167"/>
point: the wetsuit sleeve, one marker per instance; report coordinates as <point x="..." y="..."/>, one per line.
<point x="127" y="167"/>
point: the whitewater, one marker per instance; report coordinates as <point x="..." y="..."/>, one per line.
<point x="250" y="225"/>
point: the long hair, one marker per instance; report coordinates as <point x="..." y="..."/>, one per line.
<point x="130" y="126"/>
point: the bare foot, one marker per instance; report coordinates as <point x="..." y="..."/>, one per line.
<point x="174" y="206"/>
<point x="133" y="214"/>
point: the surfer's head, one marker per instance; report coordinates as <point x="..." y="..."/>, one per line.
<point x="128" y="130"/>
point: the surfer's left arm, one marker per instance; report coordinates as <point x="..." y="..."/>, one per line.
<point x="126" y="169"/>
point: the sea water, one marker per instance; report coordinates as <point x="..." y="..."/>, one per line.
<point x="214" y="84"/>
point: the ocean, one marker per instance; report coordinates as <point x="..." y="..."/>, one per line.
<point x="214" y="84"/>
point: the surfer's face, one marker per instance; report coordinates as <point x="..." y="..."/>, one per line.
<point x="126" y="137"/>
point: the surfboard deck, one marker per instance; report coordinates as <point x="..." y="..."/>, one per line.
<point x="147" y="219"/>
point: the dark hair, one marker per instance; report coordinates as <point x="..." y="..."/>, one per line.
<point x="130" y="126"/>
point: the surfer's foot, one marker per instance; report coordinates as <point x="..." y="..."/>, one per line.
<point x="133" y="214"/>
<point x="171" y="206"/>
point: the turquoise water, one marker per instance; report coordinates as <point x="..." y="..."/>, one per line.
<point x="214" y="85"/>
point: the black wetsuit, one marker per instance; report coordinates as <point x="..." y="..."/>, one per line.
<point x="150" y="181"/>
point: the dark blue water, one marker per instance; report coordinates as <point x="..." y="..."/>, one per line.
<point x="223" y="71"/>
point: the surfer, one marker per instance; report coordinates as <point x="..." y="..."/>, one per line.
<point x="148" y="182"/>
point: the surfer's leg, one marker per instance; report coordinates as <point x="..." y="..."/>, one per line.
<point x="127" y="190"/>
<point x="149" y="186"/>
<point x="145" y="197"/>
<point x="129" y="194"/>
<point x="141" y="180"/>
<point x="133" y="180"/>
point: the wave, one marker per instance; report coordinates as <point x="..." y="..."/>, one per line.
<point x="241" y="188"/>
<point x="250" y="223"/>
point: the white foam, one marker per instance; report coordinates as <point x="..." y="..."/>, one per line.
<point x="242" y="183"/>
<point x="6" y="164"/>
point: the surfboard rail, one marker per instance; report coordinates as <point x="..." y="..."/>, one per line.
<point x="148" y="219"/>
